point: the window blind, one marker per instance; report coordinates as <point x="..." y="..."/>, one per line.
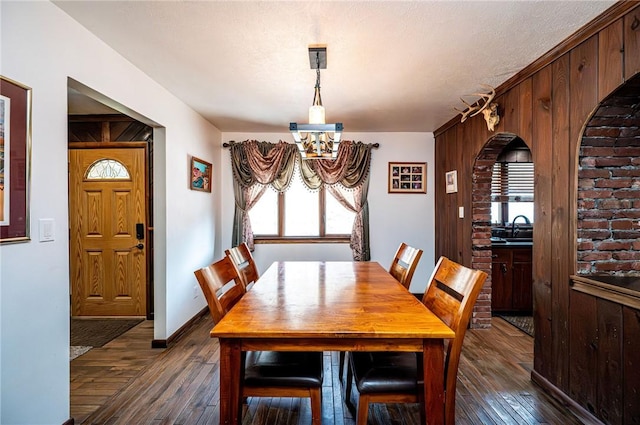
<point x="512" y="182"/>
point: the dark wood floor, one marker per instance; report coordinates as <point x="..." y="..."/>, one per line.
<point x="126" y="382"/>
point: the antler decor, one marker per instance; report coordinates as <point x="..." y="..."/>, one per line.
<point x="490" y="110"/>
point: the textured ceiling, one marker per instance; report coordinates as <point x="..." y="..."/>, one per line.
<point x="392" y="66"/>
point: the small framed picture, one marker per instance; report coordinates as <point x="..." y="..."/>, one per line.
<point x="200" y="175"/>
<point x="451" y="178"/>
<point x="15" y="160"/>
<point x="407" y="177"/>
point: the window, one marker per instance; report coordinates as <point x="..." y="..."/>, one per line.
<point x="511" y="191"/>
<point x="301" y="214"/>
<point x="107" y="169"/>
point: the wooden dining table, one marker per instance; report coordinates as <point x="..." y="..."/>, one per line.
<point x="329" y="306"/>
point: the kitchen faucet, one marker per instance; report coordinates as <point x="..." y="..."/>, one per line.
<point x="513" y="224"/>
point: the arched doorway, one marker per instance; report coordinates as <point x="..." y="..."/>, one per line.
<point x="482" y="247"/>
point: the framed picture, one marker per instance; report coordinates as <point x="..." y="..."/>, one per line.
<point x="200" y="175"/>
<point x="15" y="160"/>
<point x="451" y="178"/>
<point x="407" y="177"/>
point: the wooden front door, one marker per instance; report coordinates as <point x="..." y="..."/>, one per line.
<point x="107" y="211"/>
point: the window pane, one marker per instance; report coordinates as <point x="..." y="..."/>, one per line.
<point x="339" y="220"/>
<point x="301" y="215"/>
<point x="520" y="208"/>
<point x="496" y="212"/>
<point x="107" y="169"/>
<point x="264" y="215"/>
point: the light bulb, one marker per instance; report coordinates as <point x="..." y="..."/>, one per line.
<point x="316" y="114"/>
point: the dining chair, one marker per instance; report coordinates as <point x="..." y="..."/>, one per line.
<point x="396" y="377"/>
<point x="402" y="267"/>
<point x="242" y="258"/>
<point x="404" y="264"/>
<point x="266" y="373"/>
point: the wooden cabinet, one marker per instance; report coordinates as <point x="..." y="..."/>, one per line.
<point x="511" y="279"/>
<point x="604" y="366"/>
<point x="501" y="280"/>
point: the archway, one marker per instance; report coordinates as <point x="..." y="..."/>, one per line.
<point x="481" y="256"/>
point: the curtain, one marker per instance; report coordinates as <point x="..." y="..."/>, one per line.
<point x="256" y="165"/>
<point x="246" y="198"/>
<point x="350" y="171"/>
<point x="358" y="204"/>
<point x="261" y="163"/>
<point x="350" y="168"/>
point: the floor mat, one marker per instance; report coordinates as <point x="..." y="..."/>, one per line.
<point x="78" y="350"/>
<point x="524" y="323"/>
<point x="97" y="332"/>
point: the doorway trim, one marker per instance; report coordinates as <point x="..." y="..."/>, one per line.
<point x="157" y="171"/>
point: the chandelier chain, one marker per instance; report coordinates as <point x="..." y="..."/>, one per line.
<point x="317" y="70"/>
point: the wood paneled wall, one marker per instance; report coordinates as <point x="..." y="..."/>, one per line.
<point x="547" y="105"/>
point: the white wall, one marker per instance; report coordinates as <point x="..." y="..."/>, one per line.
<point x="394" y="218"/>
<point x="41" y="47"/>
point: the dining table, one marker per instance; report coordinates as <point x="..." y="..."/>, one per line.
<point x="329" y="306"/>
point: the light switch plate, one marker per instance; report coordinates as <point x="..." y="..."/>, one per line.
<point x="47" y="229"/>
<point x="460" y="212"/>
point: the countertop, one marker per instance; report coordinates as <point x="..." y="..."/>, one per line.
<point x="503" y="243"/>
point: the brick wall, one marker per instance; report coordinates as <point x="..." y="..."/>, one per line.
<point x="609" y="187"/>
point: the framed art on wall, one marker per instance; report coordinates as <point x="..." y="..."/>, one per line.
<point x="15" y="158"/>
<point x="451" y="178"/>
<point x="407" y="177"/>
<point x="200" y="175"/>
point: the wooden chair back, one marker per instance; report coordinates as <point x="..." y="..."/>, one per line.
<point x="242" y="258"/>
<point x="404" y="264"/>
<point x="266" y="373"/>
<point x="221" y="285"/>
<point x="452" y="292"/>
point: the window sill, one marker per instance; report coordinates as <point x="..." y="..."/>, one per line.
<point x="295" y="240"/>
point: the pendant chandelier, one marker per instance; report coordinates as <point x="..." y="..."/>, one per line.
<point x="317" y="139"/>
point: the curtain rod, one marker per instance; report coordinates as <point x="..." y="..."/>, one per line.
<point x="227" y="145"/>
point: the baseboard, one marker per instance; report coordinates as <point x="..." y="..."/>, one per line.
<point x="164" y="343"/>
<point x="578" y="411"/>
<point x="69" y="421"/>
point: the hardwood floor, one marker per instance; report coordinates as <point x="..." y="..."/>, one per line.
<point x="126" y="382"/>
<point x="102" y="372"/>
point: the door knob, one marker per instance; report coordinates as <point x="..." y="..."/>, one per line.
<point x="139" y="246"/>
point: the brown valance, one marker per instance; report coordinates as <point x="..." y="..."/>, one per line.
<point x="264" y="163"/>
<point x="350" y="168"/>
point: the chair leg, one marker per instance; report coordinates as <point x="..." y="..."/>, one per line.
<point x="450" y="407"/>
<point x="316" y="405"/>
<point x="363" y="409"/>
<point x="341" y="356"/>
<point x="347" y="386"/>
